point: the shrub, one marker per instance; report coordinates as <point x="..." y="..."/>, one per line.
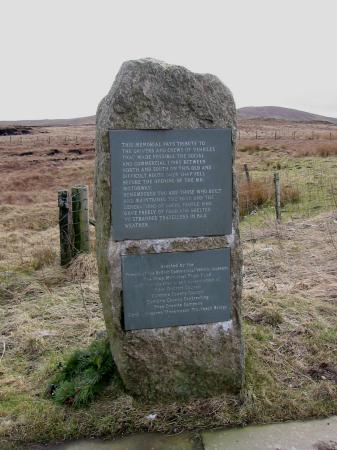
<point x="83" y="375"/>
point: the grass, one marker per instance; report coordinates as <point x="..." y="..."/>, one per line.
<point x="289" y="332"/>
<point x="251" y="149"/>
<point x="322" y="150"/>
<point x="259" y="193"/>
<point x="308" y="184"/>
<point x="50" y="316"/>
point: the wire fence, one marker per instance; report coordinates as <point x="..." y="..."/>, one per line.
<point x="287" y="134"/>
<point x="279" y="254"/>
<point x="43" y="139"/>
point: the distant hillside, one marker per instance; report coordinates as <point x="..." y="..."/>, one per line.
<point x="90" y="120"/>
<point x="248" y="112"/>
<point x="277" y="112"/>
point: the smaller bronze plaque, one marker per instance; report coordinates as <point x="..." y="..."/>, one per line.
<point x="171" y="289"/>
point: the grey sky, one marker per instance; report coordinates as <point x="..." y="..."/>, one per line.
<point x="59" y="57"/>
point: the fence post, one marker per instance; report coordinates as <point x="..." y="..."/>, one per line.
<point x="245" y="167"/>
<point x="80" y="214"/>
<point x="277" y="188"/>
<point x="65" y="224"/>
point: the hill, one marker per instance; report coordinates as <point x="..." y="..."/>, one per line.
<point x="89" y="120"/>
<point x="280" y="113"/>
<point x="247" y="112"/>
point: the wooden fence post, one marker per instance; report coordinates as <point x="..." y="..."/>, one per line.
<point x="245" y="167"/>
<point x="277" y="188"/>
<point x="65" y="227"/>
<point x="80" y="214"/>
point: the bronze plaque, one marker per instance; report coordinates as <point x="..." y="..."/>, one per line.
<point x="171" y="183"/>
<point x="181" y="288"/>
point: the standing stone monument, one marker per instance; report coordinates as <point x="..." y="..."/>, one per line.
<point x="168" y="249"/>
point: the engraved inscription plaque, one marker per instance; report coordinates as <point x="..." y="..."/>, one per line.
<point x="170" y="289"/>
<point x="171" y="183"/>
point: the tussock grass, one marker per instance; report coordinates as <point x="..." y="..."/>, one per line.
<point x="323" y="151"/>
<point x="83" y="267"/>
<point x="42" y="257"/>
<point x="37" y="218"/>
<point x="259" y="193"/>
<point x="253" y="195"/>
<point x="251" y="149"/>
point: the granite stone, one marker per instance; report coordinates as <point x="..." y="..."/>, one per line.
<point x="176" y="362"/>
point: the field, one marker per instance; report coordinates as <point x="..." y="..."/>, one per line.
<point x="290" y="288"/>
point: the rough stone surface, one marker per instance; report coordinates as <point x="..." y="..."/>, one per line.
<point x="175" y="362"/>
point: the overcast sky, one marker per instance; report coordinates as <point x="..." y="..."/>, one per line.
<point x="60" y="57"/>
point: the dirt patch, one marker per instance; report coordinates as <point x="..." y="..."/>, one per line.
<point x="324" y="371"/>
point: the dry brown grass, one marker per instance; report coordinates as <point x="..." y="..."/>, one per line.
<point x="289" y="309"/>
<point x="290" y="332"/>
<point x="43" y="256"/>
<point x="289" y="194"/>
<point x="328" y="149"/>
<point x="83" y="267"/>
<point x="253" y="195"/>
<point x="31" y="172"/>
<point x="257" y="193"/>
<point x="251" y="149"/>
